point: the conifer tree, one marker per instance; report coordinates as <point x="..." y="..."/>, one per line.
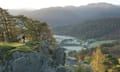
<point x="97" y="61"/>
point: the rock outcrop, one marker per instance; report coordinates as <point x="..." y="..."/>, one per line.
<point x="38" y="55"/>
<point x="29" y="62"/>
<point x="34" y="62"/>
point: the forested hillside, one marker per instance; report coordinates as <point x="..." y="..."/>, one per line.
<point x="59" y="16"/>
<point x="107" y="28"/>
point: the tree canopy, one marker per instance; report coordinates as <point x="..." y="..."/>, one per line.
<point x="12" y="27"/>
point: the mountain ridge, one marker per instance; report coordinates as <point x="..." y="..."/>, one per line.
<point x="62" y="18"/>
<point x="59" y="16"/>
<point x="106" y="28"/>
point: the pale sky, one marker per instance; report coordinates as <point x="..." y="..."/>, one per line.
<point x="38" y="4"/>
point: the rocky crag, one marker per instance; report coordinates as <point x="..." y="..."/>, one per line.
<point x="38" y="55"/>
<point x="40" y="60"/>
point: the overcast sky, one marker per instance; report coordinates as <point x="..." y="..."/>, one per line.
<point x="38" y="4"/>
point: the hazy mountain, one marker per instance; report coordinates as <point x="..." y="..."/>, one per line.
<point x="72" y="20"/>
<point x="107" y="28"/>
<point x="19" y="11"/>
<point x="59" y="16"/>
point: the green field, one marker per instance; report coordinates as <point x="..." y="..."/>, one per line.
<point x="98" y="43"/>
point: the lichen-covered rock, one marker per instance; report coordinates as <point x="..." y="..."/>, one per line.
<point x="0" y="68"/>
<point x="62" y="69"/>
<point x="34" y="61"/>
<point x="30" y="62"/>
<point x="59" y="56"/>
<point x="44" y="60"/>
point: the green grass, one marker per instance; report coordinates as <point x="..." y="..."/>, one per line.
<point x="24" y="49"/>
<point x="99" y="43"/>
<point x="8" y="49"/>
<point x="14" y="44"/>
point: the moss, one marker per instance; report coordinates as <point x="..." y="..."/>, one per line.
<point x="20" y="49"/>
<point x="7" y="49"/>
<point x="32" y="43"/>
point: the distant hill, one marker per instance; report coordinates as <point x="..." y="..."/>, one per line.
<point x="107" y="28"/>
<point x="59" y="16"/>
<point x="104" y="19"/>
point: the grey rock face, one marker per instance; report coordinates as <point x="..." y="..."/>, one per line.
<point x="30" y="62"/>
<point x="62" y="69"/>
<point x="35" y="62"/>
<point x="0" y="68"/>
<point x="59" y="56"/>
